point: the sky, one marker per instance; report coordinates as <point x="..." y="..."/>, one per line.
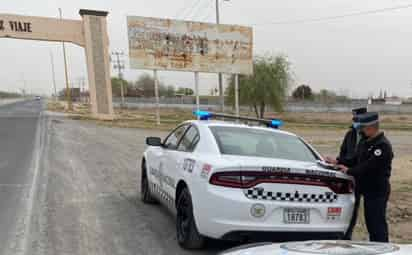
<point x="357" y="55"/>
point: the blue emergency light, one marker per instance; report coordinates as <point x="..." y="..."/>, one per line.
<point x="275" y="123"/>
<point x="205" y="115"/>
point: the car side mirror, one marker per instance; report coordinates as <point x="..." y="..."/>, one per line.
<point x="154" y="141"/>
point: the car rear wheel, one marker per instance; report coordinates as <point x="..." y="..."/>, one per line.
<point x="145" y="193"/>
<point x="188" y="236"/>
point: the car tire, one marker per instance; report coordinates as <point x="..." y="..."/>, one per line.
<point x="188" y="236"/>
<point x="145" y="193"/>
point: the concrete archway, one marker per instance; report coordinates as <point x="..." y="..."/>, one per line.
<point x="90" y="33"/>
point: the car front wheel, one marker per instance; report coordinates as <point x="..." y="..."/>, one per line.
<point x="145" y="194"/>
<point x="188" y="236"/>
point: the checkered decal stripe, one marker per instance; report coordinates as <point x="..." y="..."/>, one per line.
<point x="162" y="194"/>
<point x="297" y="197"/>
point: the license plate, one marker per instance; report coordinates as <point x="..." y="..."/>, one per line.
<point x="296" y="216"/>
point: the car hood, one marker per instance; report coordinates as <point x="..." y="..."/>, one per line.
<point x="321" y="247"/>
<point x="242" y="163"/>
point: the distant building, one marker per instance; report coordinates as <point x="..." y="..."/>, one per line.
<point x="376" y="101"/>
<point x="393" y="100"/>
<point x="385" y="99"/>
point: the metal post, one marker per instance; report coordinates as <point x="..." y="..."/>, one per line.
<point x="220" y="78"/>
<point x="197" y="91"/>
<point x="53" y="76"/>
<point x="217" y="12"/>
<point x="68" y="92"/>
<point x="119" y="66"/>
<point x="156" y="85"/>
<point x="237" y="95"/>
<point x="121" y="89"/>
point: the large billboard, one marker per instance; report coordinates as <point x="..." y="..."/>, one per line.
<point x="164" y="44"/>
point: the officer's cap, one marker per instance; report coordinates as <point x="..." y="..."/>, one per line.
<point x="367" y="119"/>
<point x="360" y="110"/>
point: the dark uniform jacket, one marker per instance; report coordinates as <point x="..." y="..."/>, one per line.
<point x="373" y="166"/>
<point x="348" y="148"/>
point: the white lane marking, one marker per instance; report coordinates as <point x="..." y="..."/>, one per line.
<point x="39" y="145"/>
<point x="23" y="225"/>
<point x="14" y="185"/>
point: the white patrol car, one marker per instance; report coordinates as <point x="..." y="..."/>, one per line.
<point x="234" y="181"/>
<point x="321" y="247"/>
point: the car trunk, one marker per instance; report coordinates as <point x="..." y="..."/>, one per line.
<point x="283" y="180"/>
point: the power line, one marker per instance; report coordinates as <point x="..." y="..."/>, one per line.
<point x="119" y="65"/>
<point x="359" y="13"/>
<point x="200" y="9"/>
<point x="209" y="13"/>
<point x="181" y="10"/>
<point x="188" y="14"/>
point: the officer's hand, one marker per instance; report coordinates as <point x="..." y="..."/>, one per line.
<point x="331" y="160"/>
<point x="343" y="168"/>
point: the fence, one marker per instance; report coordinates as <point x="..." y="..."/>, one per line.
<point x="394" y="109"/>
<point x="212" y="103"/>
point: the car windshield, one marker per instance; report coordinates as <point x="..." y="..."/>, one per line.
<point x="261" y="143"/>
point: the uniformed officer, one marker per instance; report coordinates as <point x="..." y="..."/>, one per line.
<point x="372" y="170"/>
<point x="346" y="157"/>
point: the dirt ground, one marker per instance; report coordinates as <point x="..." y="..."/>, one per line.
<point x="91" y="202"/>
<point x="88" y="199"/>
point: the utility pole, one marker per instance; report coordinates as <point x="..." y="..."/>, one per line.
<point x="411" y="88"/>
<point x="24" y="84"/>
<point x="53" y="76"/>
<point x="81" y="87"/>
<point x="221" y="93"/>
<point x="68" y="94"/>
<point x="118" y="64"/>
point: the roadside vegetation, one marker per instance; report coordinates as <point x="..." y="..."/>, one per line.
<point x="266" y="88"/>
<point x="8" y="95"/>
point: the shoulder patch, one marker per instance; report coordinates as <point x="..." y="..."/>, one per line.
<point x="377" y="152"/>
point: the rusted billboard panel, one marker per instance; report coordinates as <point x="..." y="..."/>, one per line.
<point x="164" y="44"/>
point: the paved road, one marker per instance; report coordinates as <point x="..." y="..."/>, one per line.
<point x="18" y="132"/>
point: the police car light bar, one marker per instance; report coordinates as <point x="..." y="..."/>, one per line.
<point x="205" y="115"/>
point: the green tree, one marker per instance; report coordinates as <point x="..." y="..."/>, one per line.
<point x="116" y="86"/>
<point x="303" y="92"/>
<point x="4" y="94"/>
<point x="145" y="82"/>
<point x="170" y="91"/>
<point x="185" y="91"/>
<point x="268" y="85"/>
<point x="326" y="96"/>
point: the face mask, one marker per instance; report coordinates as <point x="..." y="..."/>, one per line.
<point x="356" y="125"/>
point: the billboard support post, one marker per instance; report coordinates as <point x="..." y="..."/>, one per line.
<point x="237" y="95"/>
<point x="197" y="91"/>
<point x="156" y="88"/>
